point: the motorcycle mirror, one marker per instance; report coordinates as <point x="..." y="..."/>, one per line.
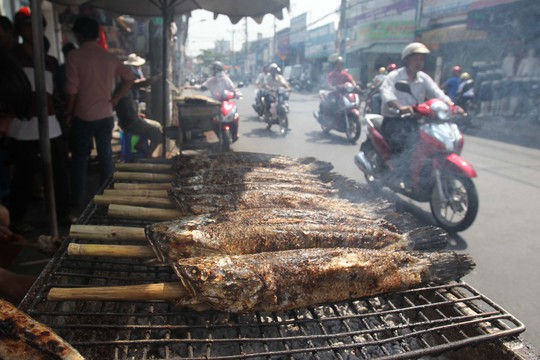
<point x="403" y="86"/>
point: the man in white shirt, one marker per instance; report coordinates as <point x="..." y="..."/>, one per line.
<point x="401" y="132"/>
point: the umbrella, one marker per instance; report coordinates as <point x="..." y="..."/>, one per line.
<point x="234" y="9"/>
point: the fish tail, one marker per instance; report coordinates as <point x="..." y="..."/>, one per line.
<point x="448" y="265"/>
<point x="428" y="238"/>
<point x="320" y="167"/>
<point x="404" y="221"/>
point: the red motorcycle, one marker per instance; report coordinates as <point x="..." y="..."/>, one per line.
<point x="226" y="123"/>
<point x="345" y="115"/>
<point x="439" y="174"/>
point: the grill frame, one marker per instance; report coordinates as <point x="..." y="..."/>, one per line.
<point x="431" y="320"/>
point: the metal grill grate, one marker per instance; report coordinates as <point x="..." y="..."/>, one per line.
<point x="409" y="324"/>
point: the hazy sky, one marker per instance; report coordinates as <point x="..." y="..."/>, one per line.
<point x="204" y="30"/>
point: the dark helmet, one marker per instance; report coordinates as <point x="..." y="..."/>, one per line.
<point x="216" y="67"/>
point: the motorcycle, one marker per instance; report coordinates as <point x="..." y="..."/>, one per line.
<point x="259" y="106"/>
<point x="466" y="99"/>
<point x="277" y="109"/>
<point x="346" y="116"/>
<point x="439" y="174"/>
<point x="372" y="102"/>
<point x="300" y="84"/>
<point x="226" y="122"/>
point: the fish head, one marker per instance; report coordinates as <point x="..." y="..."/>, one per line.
<point x="219" y="283"/>
<point x="192" y="243"/>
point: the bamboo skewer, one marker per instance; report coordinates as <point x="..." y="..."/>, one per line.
<point x="136" y="192"/>
<point x="165" y="203"/>
<point x="160" y="291"/>
<point x="144" y="213"/>
<point x="102" y="232"/>
<point x="110" y="250"/>
<point x="145" y="186"/>
<point x="144" y="167"/>
<point x="142" y="176"/>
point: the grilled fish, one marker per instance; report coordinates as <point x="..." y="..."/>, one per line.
<point x="191" y="164"/>
<point x="23" y="338"/>
<point x="207" y="203"/>
<point x="222" y="189"/>
<point x="263" y="230"/>
<point x="285" y="280"/>
<point x="258" y="174"/>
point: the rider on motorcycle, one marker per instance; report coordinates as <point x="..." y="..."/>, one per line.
<point x="400" y="131"/>
<point x="261" y="92"/>
<point x="273" y="81"/>
<point x="217" y="83"/>
<point x="337" y="78"/>
<point x="374" y="92"/>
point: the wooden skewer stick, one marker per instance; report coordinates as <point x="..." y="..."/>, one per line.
<point x="101" y="232"/>
<point x="165" y="203"/>
<point x="135" y="192"/>
<point x="143" y="167"/>
<point x="142" y="176"/>
<point x="144" y="213"/>
<point x="110" y="250"/>
<point x="161" y="291"/>
<point x="139" y="186"/>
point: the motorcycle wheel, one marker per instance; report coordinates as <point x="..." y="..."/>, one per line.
<point x="226" y="141"/>
<point x="325" y="129"/>
<point x="458" y="207"/>
<point x="353" y="133"/>
<point x="283" y="124"/>
<point x="372" y="181"/>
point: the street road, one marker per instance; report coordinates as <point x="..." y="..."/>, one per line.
<point x="503" y="241"/>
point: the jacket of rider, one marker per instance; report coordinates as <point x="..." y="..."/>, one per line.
<point x="274" y="83"/>
<point x="336" y="78"/>
<point x="219" y="83"/>
<point x="422" y="87"/>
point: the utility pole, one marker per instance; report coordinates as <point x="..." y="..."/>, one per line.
<point x="342" y="40"/>
<point x="246" y="61"/>
<point x="274" y="42"/>
<point x="232" y="48"/>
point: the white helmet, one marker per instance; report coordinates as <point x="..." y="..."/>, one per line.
<point x="414" y="48"/>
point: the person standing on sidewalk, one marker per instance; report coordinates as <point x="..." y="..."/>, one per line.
<point x="24" y="146"/>
<point x="90" y="78"/>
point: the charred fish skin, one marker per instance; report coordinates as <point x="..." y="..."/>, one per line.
<point x="286" y="280"/>
<point x="241" y="234"/>
<point x="223" y="189"/>
<point x="198" y="204"/>
<point x="24" y="338"/>
<point x="192" y="164"/>
<point x="235" y="176"/>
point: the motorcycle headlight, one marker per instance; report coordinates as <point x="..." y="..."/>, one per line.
<point x="441" y="110"/>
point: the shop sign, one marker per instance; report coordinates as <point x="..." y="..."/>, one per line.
<point x="298" y="29"/>
<point x="380" y="21"/>
<point x="441" y="8"/>
<point x="321" y="42"/>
